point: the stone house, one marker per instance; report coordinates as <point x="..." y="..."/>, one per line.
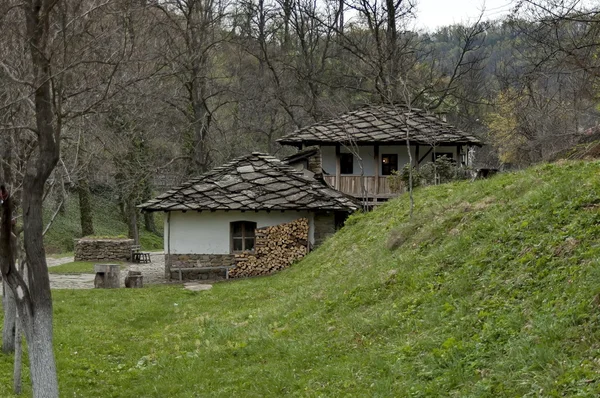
<point x="211" y="218"/>
<point x="363" y="147"/>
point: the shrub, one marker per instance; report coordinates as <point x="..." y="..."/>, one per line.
<point x="399" y="179"/>
<point x="442" y="170"/>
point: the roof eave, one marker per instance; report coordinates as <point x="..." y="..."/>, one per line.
<point x="299" y="144"/>
<point x="341" y="208"/>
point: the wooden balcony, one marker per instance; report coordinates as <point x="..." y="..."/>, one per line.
<point x="376" y="187"/>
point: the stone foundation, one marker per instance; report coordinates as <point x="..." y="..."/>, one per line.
<point x="197" y="261"/>
<point x="103" y="249"/>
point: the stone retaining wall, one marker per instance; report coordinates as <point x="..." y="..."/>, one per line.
<point x="103" y="249"/>
<point x="197" y="261"/>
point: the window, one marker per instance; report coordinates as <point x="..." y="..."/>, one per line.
<point x="242" y="236"/>
<point x="389" y="163"/>
<point x="346" y="163"/>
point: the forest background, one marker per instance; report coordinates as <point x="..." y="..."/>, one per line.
<point x="148" y="93"/>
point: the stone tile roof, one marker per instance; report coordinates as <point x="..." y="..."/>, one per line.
<point x="252" y="182"/>
<point x="381" y="124"/>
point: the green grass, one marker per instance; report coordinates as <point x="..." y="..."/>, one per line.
<point x="491" y="290"/>
<point x="107" y="223"/>
<point x="77" y="267"/>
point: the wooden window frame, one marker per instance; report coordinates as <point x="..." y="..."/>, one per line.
<point x="383" y="163"/>
<point x="342" y="164"/>
<point x="246" y="227"/>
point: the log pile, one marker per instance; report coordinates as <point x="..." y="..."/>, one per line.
<point x="275" y="248"/>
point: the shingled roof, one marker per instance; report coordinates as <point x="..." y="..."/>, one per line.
<point x="252" y="182"/>
<point x="381" y="124"/>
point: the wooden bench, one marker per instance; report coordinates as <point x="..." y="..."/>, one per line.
<point x="225" y="267"/>
<point x="138" y="256"/>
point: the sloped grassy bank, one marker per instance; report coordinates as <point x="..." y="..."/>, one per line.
<point x="490" y="290"/>
<point x="107" y="222"/>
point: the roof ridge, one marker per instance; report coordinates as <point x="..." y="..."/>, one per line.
<point x="381" y="123"/>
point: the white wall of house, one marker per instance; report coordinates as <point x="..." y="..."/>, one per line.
<point x="209" y="232"/>
<point x="367" y="153"/>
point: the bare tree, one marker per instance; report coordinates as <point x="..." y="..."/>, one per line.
<point x="66" y="72"/>
<point x="194" y="33"/>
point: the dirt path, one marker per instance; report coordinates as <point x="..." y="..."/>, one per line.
<point x="53" y="262"/>
<point x="153" y="273"/>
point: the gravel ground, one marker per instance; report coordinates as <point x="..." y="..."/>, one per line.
<point x="153" y="273"/>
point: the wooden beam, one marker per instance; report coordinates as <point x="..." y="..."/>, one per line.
<point x="169" y="260"/>
<point x="376" y="160"/>
<point x="417" y="157"/>
<point x="338" y="167"/>
<point x="424" y="156"/>
<point x="467" y="155"/>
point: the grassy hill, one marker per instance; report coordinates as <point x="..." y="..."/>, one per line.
<point x="107" y="222"/>
<point x="491" y="290"/>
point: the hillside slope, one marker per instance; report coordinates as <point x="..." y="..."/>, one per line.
<point x="492" y="289"/>
<point x="107" y="222"/>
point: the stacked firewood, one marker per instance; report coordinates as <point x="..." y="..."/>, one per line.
<point x="275" y="248"/>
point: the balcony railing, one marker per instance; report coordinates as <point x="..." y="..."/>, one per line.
<point x="351" y="185"/>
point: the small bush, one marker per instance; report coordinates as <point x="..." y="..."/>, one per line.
<point x="441" y="171"/>
<point x="400" y="179"/>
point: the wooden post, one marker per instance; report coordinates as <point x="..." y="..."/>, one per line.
<point x="458" y="155"/>
<point x="338" y="167"/>
<point x="467" y="158"/>
<point x="417" y="157"/>
<point x="376" y="159"/>
<point x="169" y="261"/>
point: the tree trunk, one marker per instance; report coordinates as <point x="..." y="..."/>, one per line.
<point x="10" y="313"/>
<point x="287" y="14"/>
<point x="8" y="300"/>
<point x="202" y="121"/>
<point x="85" y="207"/>
<point x="132" y="221"/>
<point x="17" y="379"/>
<point x="34" y="302"/>
<point x="392" y="50"/>
<point x="149" y="222"/>
<point x="37" y="324"/>
<point x="41" y="353"/>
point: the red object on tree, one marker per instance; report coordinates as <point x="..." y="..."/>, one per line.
<point x="3" y="193"/>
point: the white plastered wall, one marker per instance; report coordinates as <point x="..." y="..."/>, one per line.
<point x="367" y="153"/>
<point x="208" y="232"/>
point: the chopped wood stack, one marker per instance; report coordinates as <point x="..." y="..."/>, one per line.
<point x="275" y="248"/>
